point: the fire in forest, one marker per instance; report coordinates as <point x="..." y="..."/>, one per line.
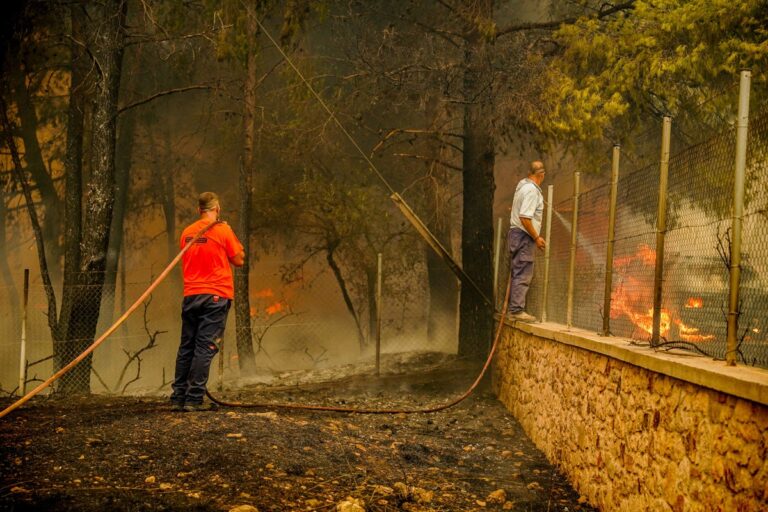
<point x="694" y="303"/>
<point x="264" y="300"/>
<point x="632" y="296"/>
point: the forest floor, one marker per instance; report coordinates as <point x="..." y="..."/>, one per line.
<point x="101" y="453"/>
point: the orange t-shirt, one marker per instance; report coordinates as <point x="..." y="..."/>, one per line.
<point x="206" y="266"/>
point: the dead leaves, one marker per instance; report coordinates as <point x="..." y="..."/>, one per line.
<point x="244" y="508"/>
<point x="497" y="496"/>
<point x="351" y="504"/>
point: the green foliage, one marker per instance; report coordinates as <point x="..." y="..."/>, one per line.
<point x="661" y="56"/>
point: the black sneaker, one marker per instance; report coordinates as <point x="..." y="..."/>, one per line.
<point x="210" y="406"/>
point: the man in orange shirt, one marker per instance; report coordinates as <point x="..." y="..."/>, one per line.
<point x="208" y="293"/>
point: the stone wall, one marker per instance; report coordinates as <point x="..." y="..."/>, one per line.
<point x="631" y="438"/>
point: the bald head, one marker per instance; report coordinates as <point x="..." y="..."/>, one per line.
<point x="536" y="172"/>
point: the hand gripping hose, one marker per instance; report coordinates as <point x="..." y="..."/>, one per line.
<point x="112" y="329"/>
<point x="354" y="410"/>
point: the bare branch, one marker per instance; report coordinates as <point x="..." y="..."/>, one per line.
<point x="49" y="292"/>
<point x="30" y="365"/>
<point x="100" y="379"/>
<point x="318" y="358"/>
<point x="436" y="134"/>
<point x="136" y="356"/>
<point x="164" y="382"/>
<point x="430" y="159"/>
<point x="552" y="25"/>
<point x="262" y="330"/>
<point x="163" y="93"/>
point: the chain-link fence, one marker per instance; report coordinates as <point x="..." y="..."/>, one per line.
<point x="122" y="363"/>
<point x="753" y="322"/>
<point x="697" y="251"/>
<point x="297" y="325"/>
<point x="313" y="316"/>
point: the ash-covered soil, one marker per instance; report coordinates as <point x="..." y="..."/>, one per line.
<point x="126" y="454"/>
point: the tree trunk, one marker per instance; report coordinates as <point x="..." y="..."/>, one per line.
<point x="476" y="316"/>
<point x="12" y="295"/>
<point x="123" y="163"/>
<point x="345" y="292"/>
<point x="37" y="168"/>
<point x="8" y="131"/>
<point x="244" y="336"/>
<point x="100" y="195"/>
<point x="73" y="172"/>
<point x="169" y="200"/>
<point x="442" y="282"/>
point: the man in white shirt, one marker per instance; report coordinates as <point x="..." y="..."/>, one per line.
<point x="523" y="236"/>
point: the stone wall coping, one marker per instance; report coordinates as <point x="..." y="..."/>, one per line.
<point x="741" y="381"/>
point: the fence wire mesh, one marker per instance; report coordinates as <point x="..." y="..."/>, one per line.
<point x="296" y="327"/>
<point x="591" y="247"/>
<point x="696" y="283"/>
<point x="753" y="322"/>
<point x="697" y="251"/>
<point x="307" y="324"/>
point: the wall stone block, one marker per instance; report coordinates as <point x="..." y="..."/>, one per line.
<point x="629" y="437"/>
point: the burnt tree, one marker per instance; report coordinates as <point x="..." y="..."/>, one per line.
<point x="478" y="157"/>
<point x="244" y="336"/>
<point x="107" y="27"/>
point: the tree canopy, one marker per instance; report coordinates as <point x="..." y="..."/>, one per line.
<point x="659" y="57"/>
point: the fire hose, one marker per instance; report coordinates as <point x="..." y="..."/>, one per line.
<point x="21" y="401"/>
<point x="50" y="380"/>
<point x="355" y="410"/>
<point x="428" y="237"/>
<point x="420" y="227"/>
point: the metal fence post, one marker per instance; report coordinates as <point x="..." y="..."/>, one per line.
<point x="661" y="229"/>
<point x="611" y="240"/>
<point x="23" y="355"/>
<point x="378" y="315"/>
<point x="496" y="261"/>
<point x="547" y="232"/>
<point x="742" y="128"/>
<point x="572" y="264"/>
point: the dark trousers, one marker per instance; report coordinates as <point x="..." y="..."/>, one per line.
<point x="521" y="252"/>
<point x="202" y="325"/>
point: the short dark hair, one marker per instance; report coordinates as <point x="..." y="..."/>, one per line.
<point x="207" y="201"/>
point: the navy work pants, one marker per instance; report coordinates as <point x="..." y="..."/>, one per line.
<point x="202" y="325"/>
<point x="521" y="252"/>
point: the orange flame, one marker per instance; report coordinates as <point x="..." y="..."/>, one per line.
<point x="632" y="299"/>
<point x="694" y="303"/>
<point x="644" y="255"/>
<point x="647" y="255"/>
<point x="266" y="296"/>
<point x="692" y="334"/>
<point x="644" y="321"/>
<point x="275" y="308"/>
<point x="264" y="293"/>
